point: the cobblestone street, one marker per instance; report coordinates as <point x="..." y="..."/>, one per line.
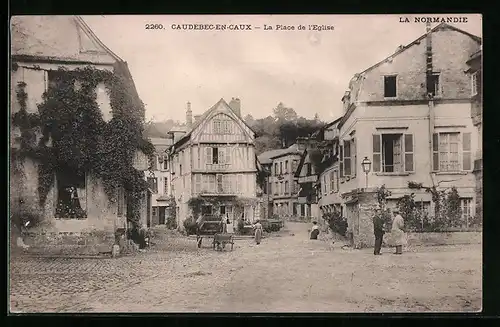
<point x="285" y="273"/>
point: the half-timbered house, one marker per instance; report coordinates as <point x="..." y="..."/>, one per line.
<point x="213" y="166"/>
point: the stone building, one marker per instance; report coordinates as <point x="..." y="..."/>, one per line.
<point x="475" y="72"/>
<point x="213" y="165"/>
<point x="159" y="180"/>
<point x="410" y="115"/>
<point x="282" y="186"/>
<point x="75" y="202"/>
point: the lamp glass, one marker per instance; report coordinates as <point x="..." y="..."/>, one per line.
<point x="366" y="163"/>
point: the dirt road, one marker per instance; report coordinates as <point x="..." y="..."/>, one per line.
<point x="283" y="274"/>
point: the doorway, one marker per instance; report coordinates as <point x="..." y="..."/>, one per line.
<point x="161" y="213"/>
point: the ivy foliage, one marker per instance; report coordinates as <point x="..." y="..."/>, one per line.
<point x="82" y="141"/>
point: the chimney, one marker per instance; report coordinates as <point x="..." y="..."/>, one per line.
<point x="235" y="104"/>
<point x="189" y="116"/>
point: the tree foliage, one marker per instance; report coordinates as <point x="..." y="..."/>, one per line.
<point x="281" y="129"/>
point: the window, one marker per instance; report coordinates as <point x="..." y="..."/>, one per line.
<point x="390" y="90"/>
<point x="153" y="184"/>
<point x="324" y="185"/>
<point x="393" y="153"/>
<point x="447" y="150"/>
<point x="215" y="155"/>
<point x="434" y="86"/>
<point x="275" y="188"/>
<point x="165" y="163"/>
<point x="197" y="183"/>
<point x="286" y="187"/>
<point x="217" y="127"/>
<point x="295" y="165"/>
<point x="286" y="166"/>
<point x="120" y="199"/>
<point x="467" y="210"/>
<point x="347" y="158"/>
<point x="281" y="168"/>
<point x="281" y="188"/>
<point x="353" y="157"/>
<point x="332" y="181"/>
<point x="275" y="169"/>
<point x="226" y="184"/>
<point x="474" y="84"/>
<point x="211" y="183"/>
<point x="165" y="186"/>
<point x="295" y="187"/>
<point x="228" y="155"/>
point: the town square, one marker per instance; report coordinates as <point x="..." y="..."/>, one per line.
<point x="194" y="172"/>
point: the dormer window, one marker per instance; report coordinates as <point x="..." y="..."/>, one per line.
<point x="434" y="85"/>
<point x="390" y="88"/>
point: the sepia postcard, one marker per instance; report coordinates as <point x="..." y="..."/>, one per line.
<point x="246" y="163"/>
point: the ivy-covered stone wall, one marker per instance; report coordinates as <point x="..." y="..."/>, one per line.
<point x="68" y="132"/>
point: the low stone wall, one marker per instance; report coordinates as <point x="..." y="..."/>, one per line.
<point x="67" y="243"/>
<point x="444" y="238"/>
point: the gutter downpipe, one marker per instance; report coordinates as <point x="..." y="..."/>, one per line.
<point x="430" y="96"/>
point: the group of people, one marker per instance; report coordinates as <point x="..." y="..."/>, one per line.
<point x="227" y="227"/>
<point x="397" y="231"/>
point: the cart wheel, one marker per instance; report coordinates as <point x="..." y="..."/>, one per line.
<point x="199" y="242"/>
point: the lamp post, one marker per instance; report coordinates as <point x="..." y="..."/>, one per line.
<point x="367" y="165"/>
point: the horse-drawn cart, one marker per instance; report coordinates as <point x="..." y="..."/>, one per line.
<point x="211" y="227"/>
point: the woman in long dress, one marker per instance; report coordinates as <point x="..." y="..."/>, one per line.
<point x="258" y="231"/>
<point x="397" y="232"/>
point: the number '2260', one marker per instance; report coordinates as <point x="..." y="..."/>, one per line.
<point x="153" y="26"/>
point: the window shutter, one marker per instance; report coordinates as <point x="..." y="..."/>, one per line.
<point x="377" y="152"/>
<point x="347" y="158"/>
<point x="228" y="155"/>
<point x="209" y="155"/>
<point x="341" y="163"/>
<point x="353" y="157"/>
<point x="435" y="152"/>
<point x="409" y="165"/>
<point x="466" y="151"/>
<point x="222" y="155"/>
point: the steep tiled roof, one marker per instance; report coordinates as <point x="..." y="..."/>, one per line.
<point x="266" y="157"/>
<point x="65" y="38"/>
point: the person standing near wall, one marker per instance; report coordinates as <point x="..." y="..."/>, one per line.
<point x="397" y="232"/>
<point x="378" y="230"/>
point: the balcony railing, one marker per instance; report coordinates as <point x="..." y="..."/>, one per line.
<point x="218" y="192"/>
<point x="217" y="167"/>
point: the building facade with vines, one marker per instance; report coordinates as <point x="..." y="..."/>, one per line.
<point x="409" y="115"/>
<point x="214" y="166"/>
<point x="72" y="101"/>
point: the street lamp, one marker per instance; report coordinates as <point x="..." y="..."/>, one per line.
<point x="367" y="165"/>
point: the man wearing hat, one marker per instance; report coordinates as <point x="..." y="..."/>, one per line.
<point x="378" y="230"/>
<point x="397" y="232"/>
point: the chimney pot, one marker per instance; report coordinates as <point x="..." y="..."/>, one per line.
<point x="235" y="104"/>
<point x="189" y="116"/>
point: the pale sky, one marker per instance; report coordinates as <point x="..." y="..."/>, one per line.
<point x="306" y="70"/>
